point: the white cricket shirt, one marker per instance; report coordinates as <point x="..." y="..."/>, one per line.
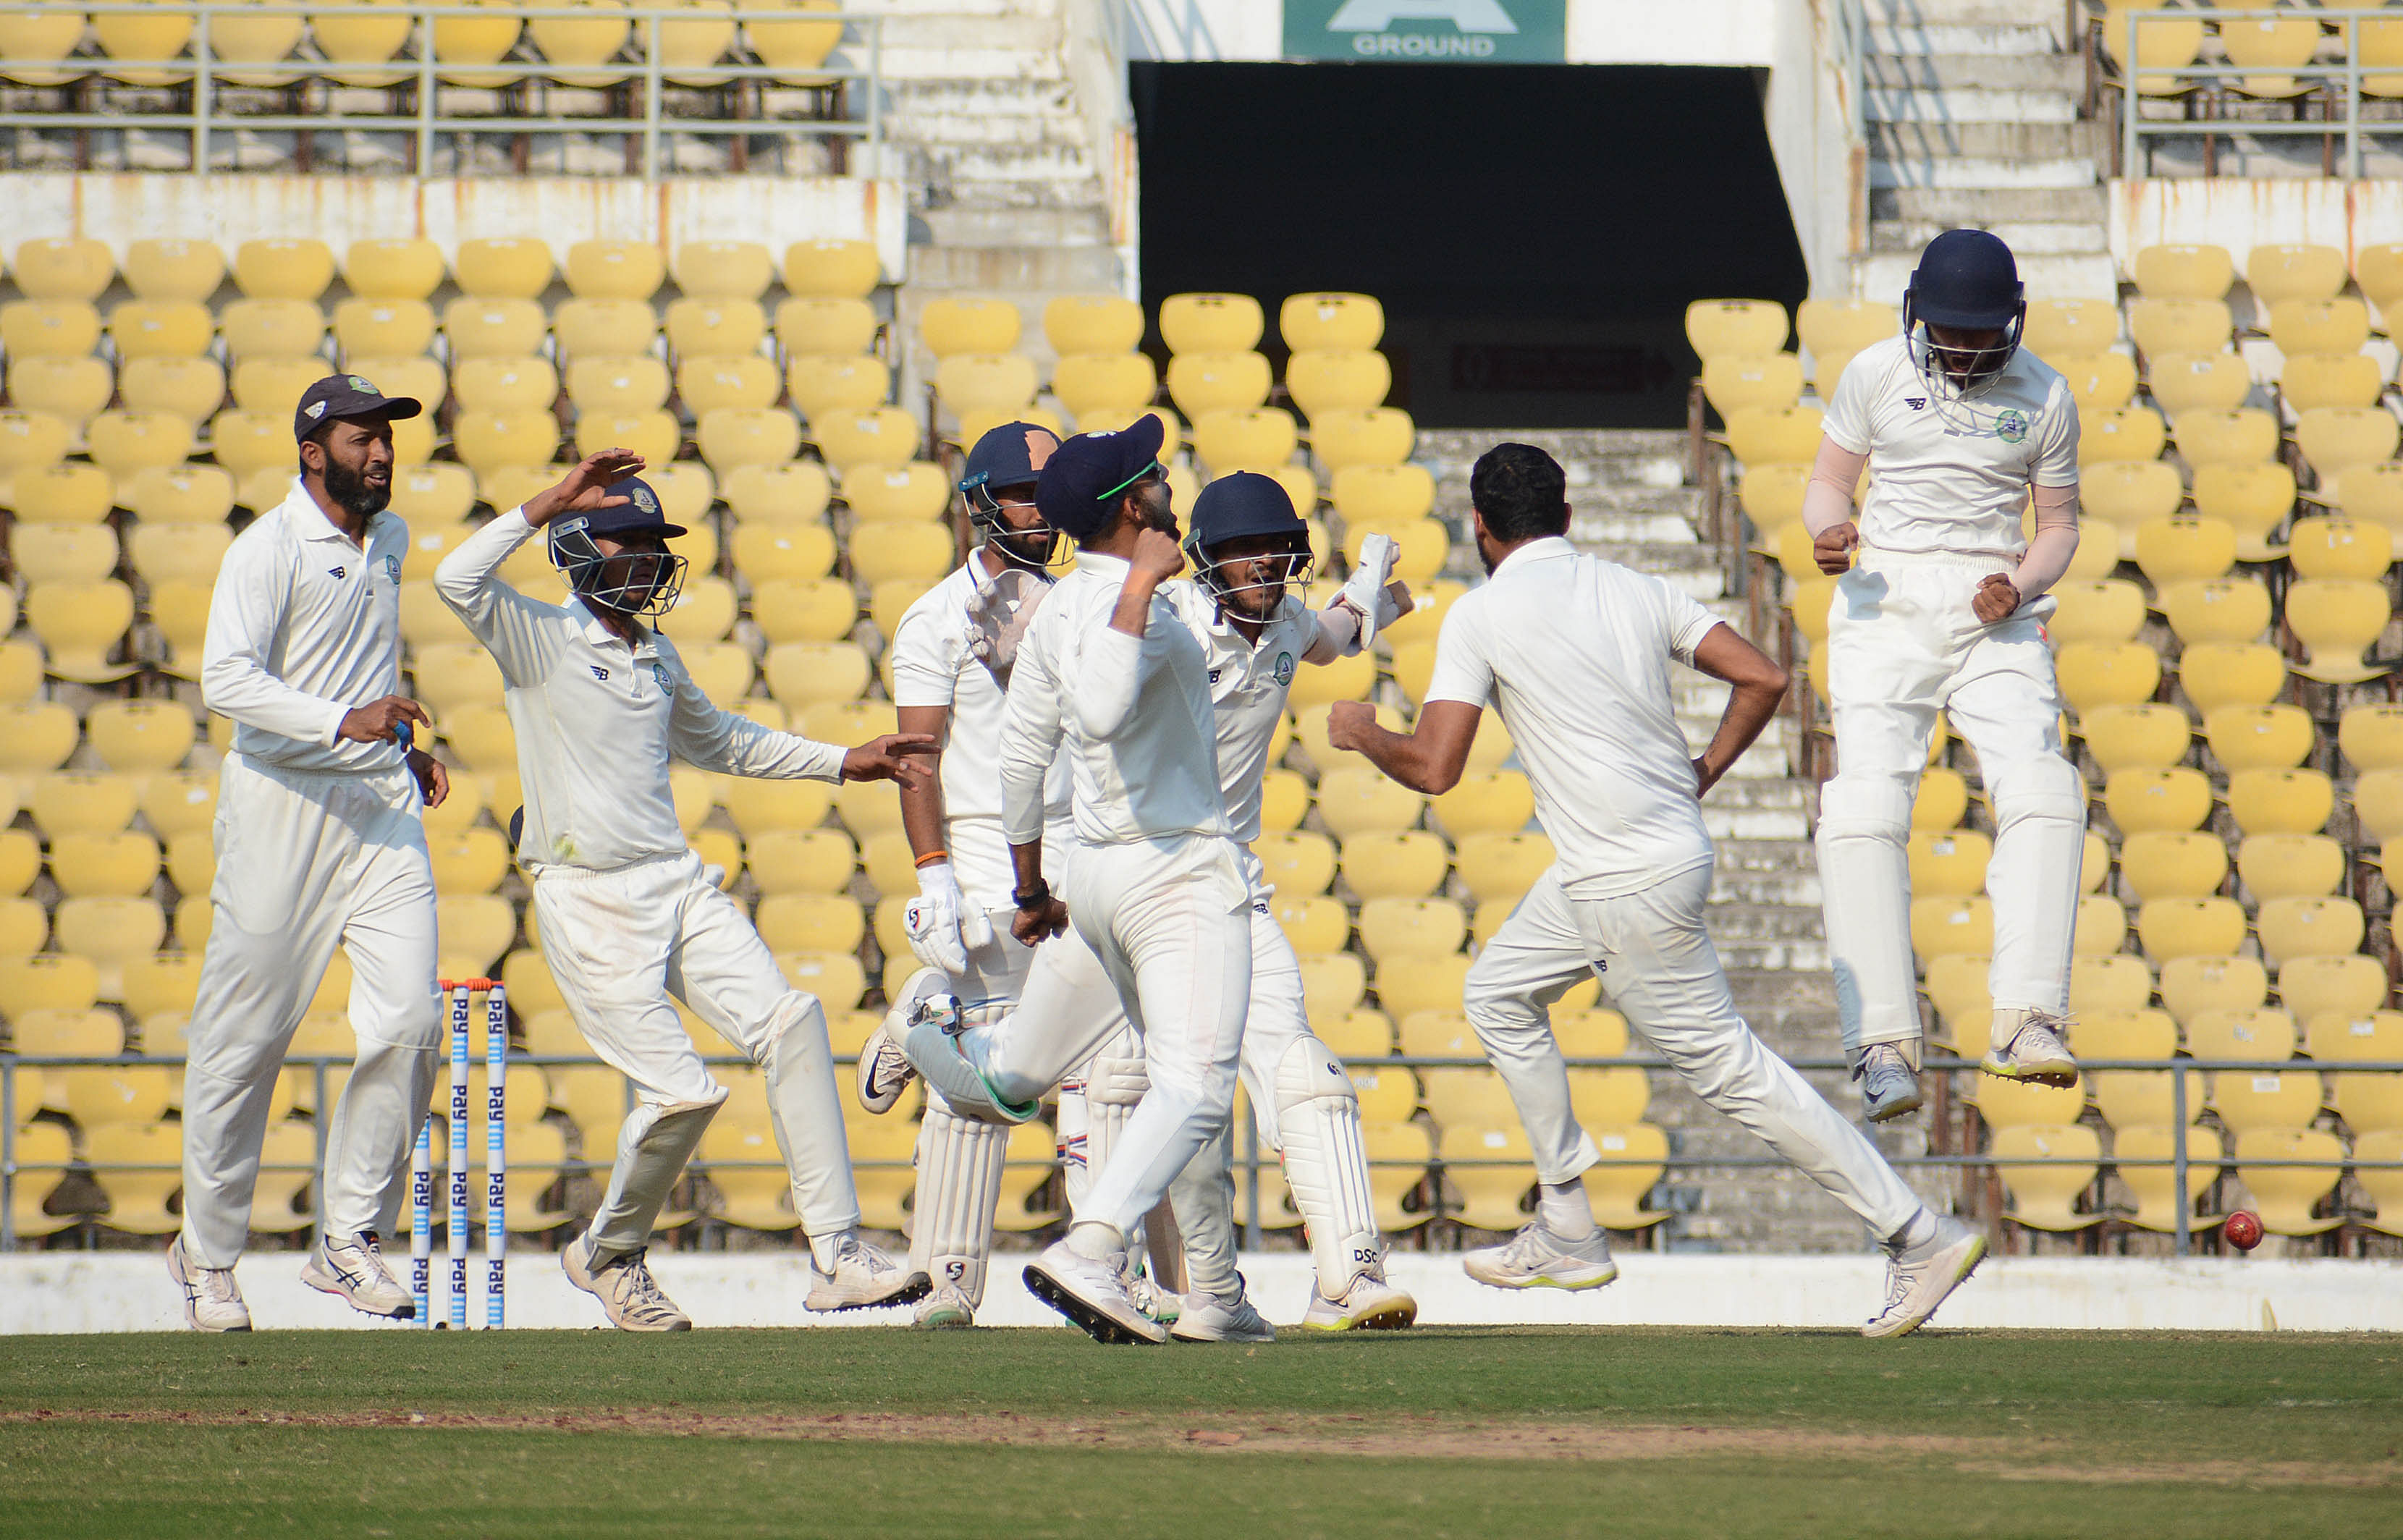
<point x="1952" y="476"/>
<point x="304" y="628"/>
<point x="597" y="720"/>
<point x="1573" y="652"/>
<point x="1135" y="712"/>
<point x="1248" y="684"/>
<point x="934" y="664"/>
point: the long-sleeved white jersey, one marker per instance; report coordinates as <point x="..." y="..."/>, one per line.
<point x="304" y="628"/>
<point x="1135" y="714"/>
<point x="598" y="720"/>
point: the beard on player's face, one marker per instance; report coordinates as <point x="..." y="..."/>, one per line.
<point x="357" y="472"/>
<point x="1154" y="505"/>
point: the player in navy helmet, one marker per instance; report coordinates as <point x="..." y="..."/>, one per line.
<point x="1962" y="429"/>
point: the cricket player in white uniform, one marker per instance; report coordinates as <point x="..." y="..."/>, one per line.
<point x="318" y="844"/>
<point x="1944" y="611"/>
<point x="627" y="913"/>
<point x="1573" y="653"/>
<point x="1248" y="547"/>
<point x="951" y="665"/>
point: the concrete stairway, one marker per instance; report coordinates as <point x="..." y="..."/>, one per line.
<point x="1633" y="507"/>
<point x="1972" y="109"/>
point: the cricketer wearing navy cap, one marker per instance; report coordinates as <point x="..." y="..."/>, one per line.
<point x="343" y="425"/>
<point x="1085" y="477"/>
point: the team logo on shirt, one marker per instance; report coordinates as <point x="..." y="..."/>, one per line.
<point x="392" y="567"/>
<point x="1284" y="668"/>
<point x="599" y="673"/>
<point x="2011" y="426"/>
<point x="1916" y="403"/>
<point x="660" y="677"/>
<point x="339" y="572"/>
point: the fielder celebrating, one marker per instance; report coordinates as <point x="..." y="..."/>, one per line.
<point x="627" y="914"/>
<point x="1573" y="653"/>
<point x="318" y="844"/>
<point x="1945" y="611"/>
<point x="1249" y="549"/>
<point x="952" y="655"/>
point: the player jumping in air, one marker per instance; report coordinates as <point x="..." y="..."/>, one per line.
<point x="1944" y="611"/>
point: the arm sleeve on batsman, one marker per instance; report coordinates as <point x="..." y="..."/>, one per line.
<point x="2054" y="543"/>
<point x="245" y="614"/>
<point x="1030" y="741"/>
<point x="1827" y="499"/>
<point x="509" y="624"/>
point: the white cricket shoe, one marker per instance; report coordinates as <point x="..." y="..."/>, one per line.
<point x="212" y="1299"/>
<point x="885" y="1071"/>
<point x="1918" y="1278"/>
<point x="1206" y="1318"/>
<point x="1536" y="1258"/>
<point x="946" y="1309"/>
<point x="2029" y="1049"/>
<point x="1092" y="1292"/>
<point x="352" y="1266"/>
<point x="1888" y="1087"/>
<point x="863" y="1276"/>
<point x="625" y="1288"/>
<point x="1370" y="1304"/>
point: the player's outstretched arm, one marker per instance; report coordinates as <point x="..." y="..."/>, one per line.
<point x="905" y="758"/>
<point x="1428" y="759"/>
<point x="1827" y="505"/>
<point x="1369" y="601"/>
<point x="1759" y="690"/>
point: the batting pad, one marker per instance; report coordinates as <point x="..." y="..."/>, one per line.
<point x="1318" y="1121"/>
<point x="959" y="1182"/>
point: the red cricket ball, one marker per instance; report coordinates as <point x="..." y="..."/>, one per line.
<point x="2243" y="1230"/>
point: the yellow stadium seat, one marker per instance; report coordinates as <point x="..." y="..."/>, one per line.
<point x="81" y="625"/>
<point x="823" y="609"/>
<point x="879" y="493"/>
<point x="2244" y="436"/>
<point x="706" y="384"/>
<point x="2277" y="272"/>
<point x="1200" y="382"/>
<point x="604" y="328"/>
<point x="886" y="436"/>
<point x="1718" y="327"/>
<point x="2044" y="1194"/>
<point x="2123" y="673"/>
<point x="1949" y="864"/>
<point x="1381" y="435"/>
<point x="2131" y="433"/>
<point x="2319" y="325"/>
<point x="2262" y="738"/>
<point x="2336" y="620"/>
<point x="139" y="1167"/>
<point x="2160" y="864"/>
<point x="2172" y="327"/>
<point x="490" y="441"/>
<point x="1330" y="321"/>
<point x="2269" y="800"/>
<point x="2251" y="500"/>
<point x="472" y="861"/>
<point x="191" y="389"/>
<point x="2155" y="1187"/>
<point x="492" y="327"/>
<point x="715" y="328"/>
<point x="2020" y="1103"/>
<point x="64" y="553"/>
<point x="1951" y="927"/>
<point x="505" y="267"/>
<point x="1330" y="380"/>
<point x="2308" y="382"/>
<point x="2372" y="736"/>
<point x="75" y="390"/>
<point x="2147" y="736"/>
<point x="53" y="493"/>
<point x="81" y="802"/>
<point x="2190" y="927"/>
<point x="2308" y="986"/>
<point x="2342" y="547"/>
<point x="897" y="550"/>
<point x="2337" y="440"/>
<point x="65" y="329"/>
<point x="801" y="860"/>
<point x="1391" y="929"/>
<point x="140" y="735"/>
<point x="496" y="384"/>
<point x="956" y="325"/>
<point x="2369" y="1150"/>
<point x="174" y="270"/>
<point x="2290" y="866"/>
<point x="2109" y="611"/>
<point x="832" y="269"/>
<point x="2184" y="272"/>
<point x="1093" y="384"/>
<point x="1211" y="322"/>
<point x="2174" y="800"/>
<point x="1494" y="801"/>
<point x="1774" y="435"/>
<point x="139" y="328"/>
<point x="2108" y="983"/>
<point x="721" y="269"/>
<point x="835" y="328"/>
<point x="63" y="268"/>
<point x="2284" y="1194"/>
<point x="612" y="384"/>
<point x="1092" y="324"/>
<point x="1407" y="865"/>
<point x="1298" y="862"/>
<point x="2296" y="928"/>
<point x="1502" y="865"/>
<point x="2200" y="382"/>
<point x="2220" y="674"/>
<point x="1245" y="439"/>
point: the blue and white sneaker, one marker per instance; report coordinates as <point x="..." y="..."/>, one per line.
<point x="2026" y="1045"/>
<point x="1889" y="1089"/>
<point x="352" y="1266"/>
<point x="1536" y="1259"/>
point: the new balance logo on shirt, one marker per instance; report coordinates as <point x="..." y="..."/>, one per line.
<point x="600" y="673"/>
<point x="340" y="572"/>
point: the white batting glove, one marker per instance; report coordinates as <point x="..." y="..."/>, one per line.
<point x="1364" y="590"/>
<point x="936" y="921"/>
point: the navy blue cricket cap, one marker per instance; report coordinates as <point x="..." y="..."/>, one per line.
<point x="347" y="396"/>
<point x="1244" y="503"/>
<point x="1012" y="455"/>
<point x="639" y="514"/>
<point x="1081" y="482"/>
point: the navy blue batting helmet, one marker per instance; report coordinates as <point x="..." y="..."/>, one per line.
<point x="1967" y="281"/>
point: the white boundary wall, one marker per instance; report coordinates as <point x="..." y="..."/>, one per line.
<point x="2241" y="213"/>
<point x="122" y="207"/>
<point x="130" y="1291"/>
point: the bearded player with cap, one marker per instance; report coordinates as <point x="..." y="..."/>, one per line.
<point x="626" y="912"/>
<point x="1252" y="633"/>
<point x="319" y="844"/>
<point x="1943" y="610"/>
<point x="952" y="659"/>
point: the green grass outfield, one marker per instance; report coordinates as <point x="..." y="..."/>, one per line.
<point x="1495" y="1434"/>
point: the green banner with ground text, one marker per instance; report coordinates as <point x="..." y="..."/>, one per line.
<point x="1455" y="31"/>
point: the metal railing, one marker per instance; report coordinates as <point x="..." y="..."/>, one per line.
<point x="2339" y="85"/>
<point x="1249" y="1161"/>
<point x="638" y="77"/>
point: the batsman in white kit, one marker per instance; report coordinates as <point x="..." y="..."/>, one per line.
<point x="1573" y="652"/>
<point x="1944" y="611"/>
<point x="626" y="912"/>
<point x="319" y="844"/>
<point x="1249" y="549"/>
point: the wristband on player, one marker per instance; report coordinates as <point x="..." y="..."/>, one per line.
<point x="931" y="857"/>
<point x="1034" y="897"/>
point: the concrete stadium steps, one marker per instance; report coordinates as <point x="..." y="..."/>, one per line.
<point x="1972" y="119"/>
<point x="1007" y="195"/>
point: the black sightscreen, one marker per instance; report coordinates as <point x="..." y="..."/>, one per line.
<point x="1534" y="231"/>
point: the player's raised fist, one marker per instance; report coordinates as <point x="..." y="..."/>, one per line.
<point x="1997" y="598"/>
<point x="1833" y="549"/>
<point x="895" y="757"/>
<point x="1156" y="557"/>
<point x="585" y="487"/>
<point x="378" y="721"/>
<point x="1349" y="724"/>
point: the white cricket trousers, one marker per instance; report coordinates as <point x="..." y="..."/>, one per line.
<point x="619" y="943"/>
<point x="1903" y="644"/>
<point x="1656" y="962"/>
<point x="307" y="861"/>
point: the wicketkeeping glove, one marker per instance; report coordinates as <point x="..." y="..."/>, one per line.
<point x="943" y="927"/>
<point x="1364" y="590"/>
